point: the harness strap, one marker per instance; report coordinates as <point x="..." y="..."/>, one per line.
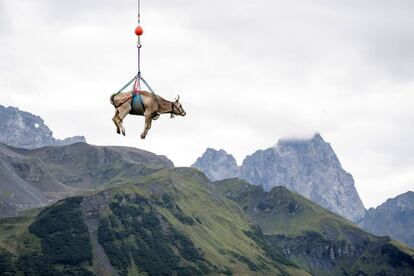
<point x="126" y="85"/>
<point x="150" y="89"/>
<point x="135" y="95"/>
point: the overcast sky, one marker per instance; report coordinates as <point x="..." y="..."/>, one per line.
<point x="248" y="72"/>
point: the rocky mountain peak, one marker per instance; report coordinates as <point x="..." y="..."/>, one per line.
<point x="403" y="202"/>
<point x="309" y="167"/>
<point x="315" y="139"/>
<point x="313" y="150"/>
<point x="394" y="218"/>
<point x="400" y="203"/>
<point x="217" y="164"/>
<point x="25" y="130"/>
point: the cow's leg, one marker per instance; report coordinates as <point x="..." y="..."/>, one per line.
<point x="149" y="114"/>
<point x="123" y="110"/>
<point x="115" y="120"/>
<point x="148" y="123"/>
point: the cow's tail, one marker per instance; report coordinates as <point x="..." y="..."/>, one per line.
<point x="112" y="99"/>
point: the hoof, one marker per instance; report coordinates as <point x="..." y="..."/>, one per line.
<point x="118" y="131"/>
<point x="142" y="137"/>
<point x="123" y="133"/>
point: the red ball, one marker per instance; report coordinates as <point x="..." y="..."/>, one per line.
<point x="139" y="31"/>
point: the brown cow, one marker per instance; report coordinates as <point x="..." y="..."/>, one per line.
<point x="149" y="105"/>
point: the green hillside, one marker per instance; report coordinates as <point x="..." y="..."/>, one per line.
<point x="54" y="241"/>
<point x="176" y="222"/>
<point x="172" y="222"/>
<point x="318" y="240"/>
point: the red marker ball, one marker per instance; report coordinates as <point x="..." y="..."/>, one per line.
<point x="139" y="31"/>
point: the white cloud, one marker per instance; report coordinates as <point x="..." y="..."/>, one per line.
<point x="249" y="73"/>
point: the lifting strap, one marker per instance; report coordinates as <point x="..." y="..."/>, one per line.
<point x="137" y="105"/>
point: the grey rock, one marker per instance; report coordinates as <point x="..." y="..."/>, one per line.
<point x="394" y="218"/>
<point x="24" y="130"/>
<point x="309" y="167"/>
<point x="217" y="165"/>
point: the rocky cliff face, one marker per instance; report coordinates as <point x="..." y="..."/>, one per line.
<point x="309" y="167"/>
<point x="394" y="218"/>
<point x="217" y="165"/>
<point x="25" y="130"/>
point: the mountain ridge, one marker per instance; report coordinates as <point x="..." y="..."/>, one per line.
<point x="38" y="177"/>
<point x="395" y="218"/>
<point x="23" y="129"/>
<point x="323" y="243"/>
<point x="163" y="223"/>
<point x="217" y="164"/>
<point x="176" y="221"/>
<point x="307" y="166"/>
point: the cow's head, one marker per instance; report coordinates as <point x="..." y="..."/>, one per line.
<point x="177" y="108"/>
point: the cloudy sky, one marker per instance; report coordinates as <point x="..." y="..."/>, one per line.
<point x="248" y="73"/>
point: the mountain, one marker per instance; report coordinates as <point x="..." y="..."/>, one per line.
<point x="176" y="222"/>
<point x="309" y="167"/>
<point x="395" y="218"/>
<point x="172" y="222"/>
<point x="24" y="130"/>
<point x="35" y="178"/>
<point x="316" y="239"/>
<point x="217" y="165"/>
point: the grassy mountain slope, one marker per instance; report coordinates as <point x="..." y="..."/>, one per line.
<point x="316" y="239"/>
<point x="170" y="222"/>
<point x="54" y="241"/>
<point x="35" y="178"/>
<point x="176" y="222"/>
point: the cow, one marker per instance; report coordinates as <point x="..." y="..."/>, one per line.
<point x="142" y="103"/>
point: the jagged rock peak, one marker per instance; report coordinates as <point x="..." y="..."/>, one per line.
<point x="309" y="167"/>
<point x="316" y="138"/>
<point x="394" y="218"/>
<point x="314" y="149"/>
<point x="403" y="202"/>
<point x="25" y="130"/>
<point x="217" y="165"/>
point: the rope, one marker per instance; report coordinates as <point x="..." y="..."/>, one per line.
<point x="137" y="85"/>
<point x="147" y="85"/>
<point x="139" y="12"/>
<point x="126" y="85"/>
<point x="152" y="91"/>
